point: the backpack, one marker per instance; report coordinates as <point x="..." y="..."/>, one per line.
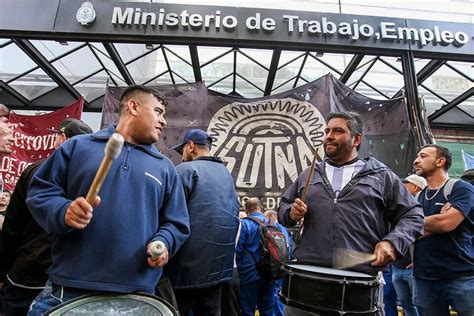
<point x="448" y="187"/>
<point x="273" y="251"/>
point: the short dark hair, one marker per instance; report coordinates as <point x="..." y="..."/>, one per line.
<point x="442" y="152"/>
<point x="130" y="91"/>
<point x="354" y="122"/>
<point x="252" y="204"/>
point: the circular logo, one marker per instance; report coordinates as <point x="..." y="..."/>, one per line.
<point x="86" y="14"/>
<point x="267" y="144"/>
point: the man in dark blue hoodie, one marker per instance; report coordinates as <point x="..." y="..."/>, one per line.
<point x="103" y="246"/>
<point x="204" y="263"/>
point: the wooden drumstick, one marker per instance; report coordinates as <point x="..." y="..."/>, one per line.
<point x="310" y="176"/>
<point x="111" y="151"/>
<point x="348" y="258"/>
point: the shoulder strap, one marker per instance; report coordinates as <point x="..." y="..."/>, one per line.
<point x="448" y="187"/>
<point x="256" y="220"/>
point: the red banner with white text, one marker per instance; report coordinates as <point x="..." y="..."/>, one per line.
<point x="33" y="140"/>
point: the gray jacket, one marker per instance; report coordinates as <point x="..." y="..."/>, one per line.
<point x="373" y="206"/>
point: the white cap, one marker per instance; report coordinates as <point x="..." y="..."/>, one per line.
<point x="416" y="180"/>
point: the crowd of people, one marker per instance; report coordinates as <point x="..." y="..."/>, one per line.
<point x="59" y="246"/>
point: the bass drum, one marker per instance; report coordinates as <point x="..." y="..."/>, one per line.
<point x="329" y="291"/>
<point x="110" y="305"/>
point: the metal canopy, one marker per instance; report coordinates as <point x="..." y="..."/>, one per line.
<point x="49" y="71"/>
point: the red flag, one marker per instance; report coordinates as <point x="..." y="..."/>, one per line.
<point x="33" y="140"/>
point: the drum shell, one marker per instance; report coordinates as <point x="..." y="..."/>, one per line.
<point x="317" y="292"/>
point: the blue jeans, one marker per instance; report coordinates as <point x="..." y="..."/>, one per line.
<point x="260" y="294"/>
<point x="52" y="296"/>
<point x="433" y="297"/>
<point x="389" y="295"/>
<point x="403" y="282"/>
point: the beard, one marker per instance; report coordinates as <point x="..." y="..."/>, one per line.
<point x="339" y="151"/>
<point x="426" y="172"/>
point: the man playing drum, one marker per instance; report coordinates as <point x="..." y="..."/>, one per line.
<point x="102" y="246"/>
<point x="352" y="203"/>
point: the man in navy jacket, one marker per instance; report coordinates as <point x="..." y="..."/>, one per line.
<point x="102" y="247"/>
<point x="204" y="263"/>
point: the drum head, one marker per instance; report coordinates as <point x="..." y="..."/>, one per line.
<point x="330" y="272"/>
<point x="128" y="304"/>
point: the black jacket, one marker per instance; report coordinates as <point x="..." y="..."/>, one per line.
<point x="373" y="206"/>
<point x="27" y="247"/>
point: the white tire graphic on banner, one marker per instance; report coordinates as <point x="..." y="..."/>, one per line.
<point x="267" y="144"/>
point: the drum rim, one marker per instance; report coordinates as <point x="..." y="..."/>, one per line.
<point x="308" y="308"/>
<point x="99" y="297"/>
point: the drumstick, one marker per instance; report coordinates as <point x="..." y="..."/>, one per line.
<point x="111" y="151"/>
<point x="156" y="249"/>
<point x="348" y="258"/>
<point x="310" y="176"/>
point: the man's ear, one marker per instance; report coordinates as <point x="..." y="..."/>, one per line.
<point x="441" y="162"/>
<point x="62" y="138"/>
<point x="191" y="146"/>
<point x="132" y="107"/>
<point x="357" y="139"/>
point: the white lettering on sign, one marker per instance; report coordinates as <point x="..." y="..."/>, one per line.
<point x="130" y="16"/>
<point x="353" y="30"/>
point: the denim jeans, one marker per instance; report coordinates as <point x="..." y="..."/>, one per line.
<point x="433" y="297"/>
<point x="52" y="296"/>
<point x="403" y="282"/>
<point x="389" y="295"/>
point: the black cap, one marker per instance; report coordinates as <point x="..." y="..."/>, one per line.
<point x="72" y="127"/>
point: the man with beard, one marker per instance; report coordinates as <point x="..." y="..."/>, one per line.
<point x="444" y="258"/>
<point x="351" y="203"/>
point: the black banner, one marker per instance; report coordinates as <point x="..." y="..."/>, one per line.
<point x="267" y="142"/>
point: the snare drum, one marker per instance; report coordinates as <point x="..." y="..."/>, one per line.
<point x="114" y="304"/>
<point x="332" y="291"/>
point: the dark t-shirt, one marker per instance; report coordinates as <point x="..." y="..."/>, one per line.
<point x="448" y="255"/>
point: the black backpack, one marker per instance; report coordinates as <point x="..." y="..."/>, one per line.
<point x="274" y="251"/>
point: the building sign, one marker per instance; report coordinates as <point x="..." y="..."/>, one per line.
<point x="351" y="30"/>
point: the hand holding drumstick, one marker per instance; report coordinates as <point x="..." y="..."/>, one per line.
<point x="384" y="253"/>
<point x="298" y="210"/>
